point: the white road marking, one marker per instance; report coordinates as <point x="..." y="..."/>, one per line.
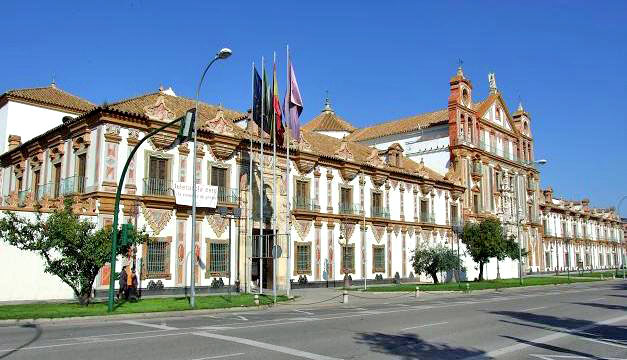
<point x="280" y="321"/>
<point x="403" y="305"/>
<point x="610" y="343"/>
<point x="304" y="312"/>
<point x="266" y="346"/>
<point x="156" y="326"/>
<point x="534" y="308"/>
<point x="242" y="318"/>
<point x="556" y="357"/>
<point x="220" y="356"/>
<point x="424" y="325"/>
<point x="544" y="339"/>
<point x="101" y="341"/>
<point x="596" y="299"/>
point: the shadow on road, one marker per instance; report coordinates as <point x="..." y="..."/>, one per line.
<point x="410" y="346"/>
<point x="609" y="333"/>
<point x="603" y="306"/>
<point x="37" y="335"/>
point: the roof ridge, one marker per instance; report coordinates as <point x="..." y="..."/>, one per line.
<point x="404" y="118"/>
<point x="133" y="98"/>
<point x="68" y="93"/>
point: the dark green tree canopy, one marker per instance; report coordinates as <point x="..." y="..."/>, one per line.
<point x="432" y="260"/>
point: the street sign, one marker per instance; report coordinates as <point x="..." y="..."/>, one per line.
<point x="276" y="251"/>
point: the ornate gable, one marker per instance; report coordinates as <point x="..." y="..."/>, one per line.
<point x="159" y="111"/>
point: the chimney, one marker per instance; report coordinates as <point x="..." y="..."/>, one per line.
<point x="14" y="141"/>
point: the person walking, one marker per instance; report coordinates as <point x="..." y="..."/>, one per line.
<point x="122" y="282"/>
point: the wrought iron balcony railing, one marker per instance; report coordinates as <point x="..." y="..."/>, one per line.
<point x="349" y="209"/>
<point x="43" y="190"/>
<point x="227" y="195"/>
<point x="158" y="187"/>
<point x="380" y="212"/>
<point x="427" y="218"/>
<point x="73" y="185"/>
<point x="21" y="197"/>
<point x="305" y="204"/>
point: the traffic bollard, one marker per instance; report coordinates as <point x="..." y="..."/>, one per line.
<point x="417" y="291"/>
<point x="345" y="297"/>
<point x="257" y="299"/>
<point x="467" y="288"/>
<point x="602" y="277"/>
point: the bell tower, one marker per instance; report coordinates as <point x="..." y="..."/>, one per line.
<point x="460" y="110"/>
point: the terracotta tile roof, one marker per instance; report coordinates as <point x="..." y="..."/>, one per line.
<point x="328" y="121"/>
<point x="52" y="96"/>
<point x="328" y="146"/>
<point x="178" y="105"/>
<point x="403" y="125"/>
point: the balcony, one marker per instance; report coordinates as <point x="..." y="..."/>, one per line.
<point x="227" y="195"/>
<point x="349" y="209"/>
<point x="305" y="204"/>
<point x="427" y="218"/>
<point x="43" y="190"/>
<point x="380" y="212"/>
<point x="21" y="197"/>
<point x="158" y="187"/>
<point x="73" y="185"/>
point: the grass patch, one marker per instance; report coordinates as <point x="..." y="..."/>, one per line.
<point x="50" y="311"/>
<point x="487" y="284"/>
<point x="596" y="274"/>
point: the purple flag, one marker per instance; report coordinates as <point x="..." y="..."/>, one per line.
<point x="293" y="104"/>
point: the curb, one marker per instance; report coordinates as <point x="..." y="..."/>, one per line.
<point x="132" y="316"/>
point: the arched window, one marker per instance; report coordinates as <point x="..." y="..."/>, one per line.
<point x="498" y="115"/>
<point x="465" y="97"/>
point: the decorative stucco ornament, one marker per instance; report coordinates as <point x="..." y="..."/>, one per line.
<point x="156" y="219"/>
<point x="159" y="111"/>
<point x="218" y="224"/>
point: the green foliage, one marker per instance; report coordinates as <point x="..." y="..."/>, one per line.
<point x="72" y="248"/>
<point x="486" y="240"/>
<point x="431" y="260"/>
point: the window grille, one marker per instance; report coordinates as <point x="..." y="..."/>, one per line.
<point x="156" y="257"/>
<point x="378" y="254"/>
<point x="303" y="258"/>
<point x="219" y="258"/>
<point x="348" y="258"/>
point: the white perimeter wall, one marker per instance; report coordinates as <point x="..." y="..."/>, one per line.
<point x="23" y="277"/>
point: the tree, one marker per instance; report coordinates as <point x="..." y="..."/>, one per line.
<point x="483" y="241"/>
<point x="72" y="248"/>
<point x="430" y="261"/>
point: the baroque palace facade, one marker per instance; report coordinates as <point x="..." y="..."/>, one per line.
<point x="361" y="199"/>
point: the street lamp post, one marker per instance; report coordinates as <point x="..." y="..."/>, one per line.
<point x="222" y="54"/>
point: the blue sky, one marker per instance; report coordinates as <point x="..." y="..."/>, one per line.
<point x="566" y="60"/>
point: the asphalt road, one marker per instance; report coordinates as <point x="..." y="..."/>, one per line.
<point x="583" y="321"/>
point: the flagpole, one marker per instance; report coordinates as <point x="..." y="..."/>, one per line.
<point x="274" y="191"/>
<point x="287" y="170"/>
<point x="261" y="170"/>
<point x="250" y="180"/>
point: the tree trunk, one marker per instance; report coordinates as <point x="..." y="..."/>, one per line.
<point x="435" y="277"/>
<point x="84" y="297"/>
<point x="498" y="270"/>
<point x="480" y="270"/>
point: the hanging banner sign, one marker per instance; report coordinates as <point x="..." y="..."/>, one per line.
<point x="206" y="195"/>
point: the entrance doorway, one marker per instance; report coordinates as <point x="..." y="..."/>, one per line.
<point x="267" y="241"/>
